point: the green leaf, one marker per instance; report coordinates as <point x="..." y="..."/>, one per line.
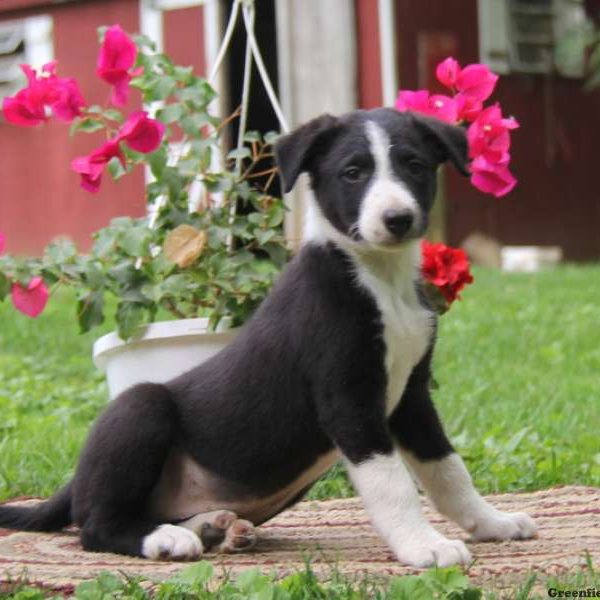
<point x="196" y="574"/>
<point x="265" y="236"/>
<point x="61" y="251"/>
<point x="199" y="93"/>
<point x="158" y="161"/>
<point x="113" y="115"/>
<point x="161" y="88"/>
<point x="130" y="315"/>
<point x="252" y="136"/>
<point x="87" y="125"/>
<point x="144" y="42"/>
<point x="271" y="137"/>
<point x="183" y="74"/>
<point x="4" y="286"/>
<point x="136" y="242"/>
<point x="276" y="216"/>
<point x="410" y="587"/>
<point x="90" y="310"/>
<point x="115" y="168"/>
<point x="170" y="113"/>
<point x="193" y="124"/>
<point x="239" y="153"/>
<point x="277" y="253"/>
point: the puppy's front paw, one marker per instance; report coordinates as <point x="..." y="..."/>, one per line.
<point x="433" y="550"/>
<point x="496" y="525"/>
<point x="170" y="542"/>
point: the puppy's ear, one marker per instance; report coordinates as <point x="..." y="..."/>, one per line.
<point x="449" y="142"/>
<point x="294" y="150"/>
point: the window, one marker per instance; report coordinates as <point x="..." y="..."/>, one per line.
<point x="26" y="41"/>
<point x="524" y="36"/>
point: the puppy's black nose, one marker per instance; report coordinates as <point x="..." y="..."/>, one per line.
<point x="398" y="222"/>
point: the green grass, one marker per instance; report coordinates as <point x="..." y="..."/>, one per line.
<point x="517" y="363"/>
<point x="198" y="582"/>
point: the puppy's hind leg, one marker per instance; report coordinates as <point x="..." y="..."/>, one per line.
<point x="119" y="466"/>
<point x="221" y="531"/>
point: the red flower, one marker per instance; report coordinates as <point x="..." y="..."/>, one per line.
<point x="489" y="136"/>
<point x="2" y="242"/>
<point x="92" y="167"/>
<point x="117" y="56"/>
<point x="44" y="93"/>
<point x="30" y="300"/>
<point x="439" y="106"/>
<point x="492" y="178"/>
<point x="446" y="268"/>
<point x="141" y="133"/>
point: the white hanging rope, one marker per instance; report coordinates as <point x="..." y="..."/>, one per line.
<point x="249" y="23"/>
<point x="245" y="95"/>
<point x="226" y="41"/>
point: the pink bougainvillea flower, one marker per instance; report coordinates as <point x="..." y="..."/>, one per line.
<point x="30" y="300"/>
<point x="141" y="133"/>
<point x="117" y="56"/>
<point x="489" y="136"/>
<point x="492" y="178"/>
<point x="446" y="268"/>
<point x="416" y="101"/>
<point x="91" y="167"/>
<point x="23" y="110"/>
<point x="468" y="108"/>
<point x="442" y="107"/>
<point x="2" y="242"/>
<point x="447" y="72"/>
<point x="476" y="81"/>
<point x="69" y="101"/>
<point x="44" y="93"/>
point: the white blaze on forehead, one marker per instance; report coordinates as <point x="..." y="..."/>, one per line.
<point x="385" y="192"/>
<point x="379" y="142"/>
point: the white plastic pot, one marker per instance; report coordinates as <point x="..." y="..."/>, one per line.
<point x="162" y="351"/>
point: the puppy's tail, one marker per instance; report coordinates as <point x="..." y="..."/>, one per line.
<point x="51" y="515"/>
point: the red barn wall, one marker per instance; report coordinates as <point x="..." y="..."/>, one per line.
<point x="557" y="200"/>
<point x="40" y="197"/>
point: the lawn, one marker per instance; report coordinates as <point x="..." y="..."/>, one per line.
<point x="517" y="366"/>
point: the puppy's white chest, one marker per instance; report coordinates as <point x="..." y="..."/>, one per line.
<point x="407" y="334"/>
<point x="407" y="328"/>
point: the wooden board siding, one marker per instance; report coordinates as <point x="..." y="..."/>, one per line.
<point x="184" y="37"/>
<point x="369" y="55"/>
<point x="40" y="197"/>
<point x="555" y="156"/>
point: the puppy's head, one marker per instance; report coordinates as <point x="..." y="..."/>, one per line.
<point x="373" y="172"/>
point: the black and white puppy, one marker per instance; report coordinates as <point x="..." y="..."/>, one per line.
<point x="335" y="363"/>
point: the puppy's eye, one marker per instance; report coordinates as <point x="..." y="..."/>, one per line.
<point x="416" y="168"/>
<point x="352" y="174"/>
